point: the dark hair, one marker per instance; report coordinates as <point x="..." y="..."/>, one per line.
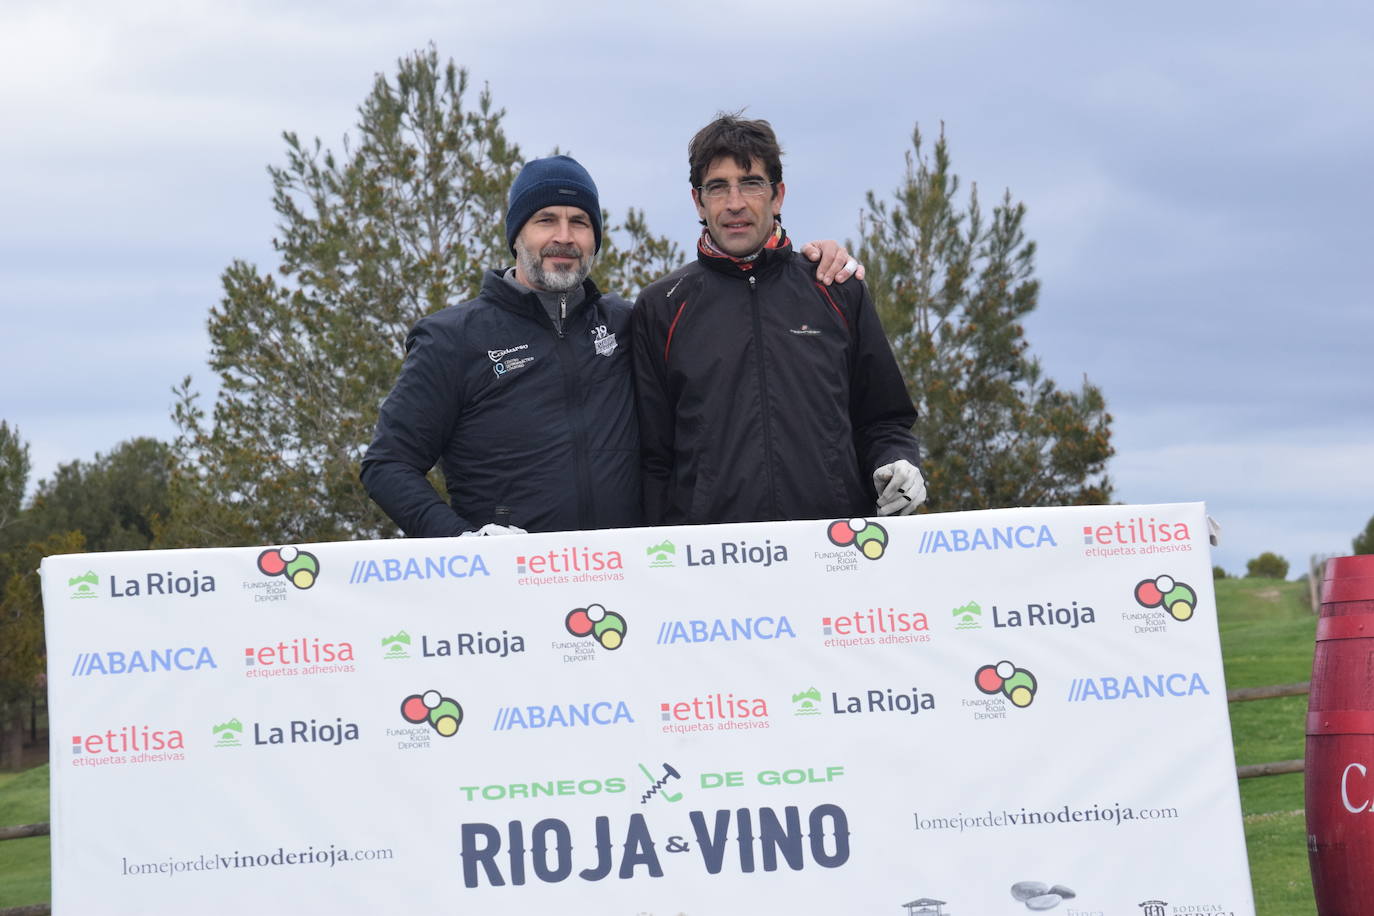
<point x="741" y="139"/>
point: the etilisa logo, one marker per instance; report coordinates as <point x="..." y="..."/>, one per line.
<point x="562" y="715"/>
<point x="986" y="538"/>
<point x="1158" y="686"/>
<point x="300" y="656"/>
<point x="565" y="565"/>
<point x="84" y="585"/>
<point x="298" y="567"/>
<point x="143" y="661"/>
<point x="724" y="629"/>
<point x="411" y="569"/>
<point x="661" y="555"/>
<point x="969" y="616"/>
<point x="130" y="744"/>
<point x="875" y="626"/>
<point x="713" y="712"/>
<point x="1136" y="536"/>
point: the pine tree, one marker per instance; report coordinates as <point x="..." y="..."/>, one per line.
<point x="952" y="287"/>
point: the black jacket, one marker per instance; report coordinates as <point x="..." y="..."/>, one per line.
<point x="516" y="414"/>
<point x="764" y="395"/>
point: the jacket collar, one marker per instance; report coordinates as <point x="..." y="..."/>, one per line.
<point x="526" y="303"/>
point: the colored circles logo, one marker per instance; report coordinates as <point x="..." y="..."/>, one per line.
<point x="444" y="715"/>
<point x="868" y="538"/>
<point x="606" y="627"/>
<point x="1016" y="684"/>
<point x="299" y="568"/>
<point x="1163" y="591"/>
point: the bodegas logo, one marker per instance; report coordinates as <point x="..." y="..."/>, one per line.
<point x="875" y="626"/>
<point x="713" y="712"/>
<point x="561" y="566"/>
<point x="442" y="714"/>
<point x="724" y="629"/>
<point x="868" y="539"/>
<point x="143" y="661"/>
<point x="302" y="656"/>
<point x="562" y="715"/>
<point x="605" y="627"/>
<point x="1005" y="679"/>
<point x="1136" y="687"/>
<point x="986" y="538"/>
<point x="84" y="585"/>
<point x="455" y="645"/>
<point x="1136" y="536"/>
<point x="1162" y="908"/>
<point x="411" y="569"/>
<point x="130" y="744"/>
<point x="299" y="567"/>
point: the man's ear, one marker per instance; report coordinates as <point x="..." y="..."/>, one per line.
<point x="779" y="190"/>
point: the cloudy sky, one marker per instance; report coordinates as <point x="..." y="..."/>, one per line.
<point x="1196" y="176"/>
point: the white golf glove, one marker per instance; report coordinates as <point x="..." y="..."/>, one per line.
<point x="900" y="488"/>
<point x="491" y="528"/>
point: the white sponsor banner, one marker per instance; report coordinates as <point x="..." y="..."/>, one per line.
<point x="967" y="714"/>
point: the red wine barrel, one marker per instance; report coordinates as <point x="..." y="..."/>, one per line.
<point x="1340" y="742"/>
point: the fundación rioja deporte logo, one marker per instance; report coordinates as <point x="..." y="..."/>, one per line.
<point x="1166" y="592"/>
<point x="298" y="567"/>
<point x="868" y="538"/>
<point x="441" y="713"/>
<point x="1016" y="684"/>
<point x="606" y="627"/>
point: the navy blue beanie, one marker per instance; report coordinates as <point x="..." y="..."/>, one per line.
<point x="551" y="182"/>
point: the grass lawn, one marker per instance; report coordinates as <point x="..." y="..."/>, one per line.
<point x="24" y="863"/>
<point x="1266" y="638"/>
<point x="1267" y="635"/>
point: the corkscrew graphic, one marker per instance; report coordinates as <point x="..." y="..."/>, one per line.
<point x="668" y="773"/>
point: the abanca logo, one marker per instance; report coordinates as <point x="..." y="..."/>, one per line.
<point x="1006" y="537"/>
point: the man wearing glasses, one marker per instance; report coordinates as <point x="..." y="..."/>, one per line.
<point x="763" y="394"/>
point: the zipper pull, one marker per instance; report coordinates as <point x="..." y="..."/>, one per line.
<point x="751" y="283"/>
<point x="563" y="307"/>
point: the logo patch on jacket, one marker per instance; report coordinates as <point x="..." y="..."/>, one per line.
<point x="503" y="361"/>
<point x="806" y="331"/>
<point x="604" y="343"/>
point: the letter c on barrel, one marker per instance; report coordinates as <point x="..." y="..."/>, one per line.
<point x="1345" y="796"/>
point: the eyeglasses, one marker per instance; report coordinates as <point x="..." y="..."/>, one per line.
<point x="748" y="187"/>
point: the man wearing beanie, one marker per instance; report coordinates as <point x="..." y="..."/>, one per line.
<point x="523" y="395"/>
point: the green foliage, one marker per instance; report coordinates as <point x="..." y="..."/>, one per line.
<point x="25" y="863"/>
<point x="14" y="473"/>
<point x="952" y="288"/>
<point x="1218" y="573"/>
<point x="643" y="257"/>
<point x="116" y="501"/>
<point x="398" y="225"/>
<point x="1364" y="541"/>
<point x="1267" y="566"/>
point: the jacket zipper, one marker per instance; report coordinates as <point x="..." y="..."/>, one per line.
<point x="763" y="395"/>
<point x="572" y="390"/>
<point x="562" y="313"/>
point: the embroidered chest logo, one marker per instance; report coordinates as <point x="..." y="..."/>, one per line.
<point x="604" y="343"/>
<point x="806" y="331"/>
<point x="504" y="361"/>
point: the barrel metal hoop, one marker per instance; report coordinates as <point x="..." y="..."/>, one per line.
<point x="1352" y="626"/>
<point x="1341" y="722"/>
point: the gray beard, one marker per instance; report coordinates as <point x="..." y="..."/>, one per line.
<point x="556" y="281"/>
